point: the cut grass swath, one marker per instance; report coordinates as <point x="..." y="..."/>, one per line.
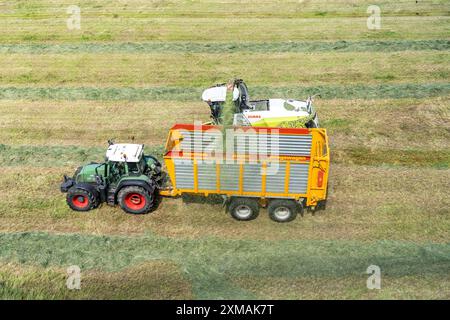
<point x="57" y="156"/>
<point x="193" y="93"/>
<point x="210" y="262"/>
<point x="228" y="47"/>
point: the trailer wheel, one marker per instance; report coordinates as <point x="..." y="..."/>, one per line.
<point x="80" y="199"/>
<point x="281" y="210"/>
<point x="243" y="209"/>
<point x="135" y="200"/>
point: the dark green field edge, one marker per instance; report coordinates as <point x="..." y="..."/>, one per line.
<point x="210" y="262"/>
<point x="381" y="91"/>
<point x="70" y="156"/>
<point x="212" y="47"/>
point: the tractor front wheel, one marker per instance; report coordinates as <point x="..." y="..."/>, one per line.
<point x="135" y="200"/>
<point x="81" y="200"/>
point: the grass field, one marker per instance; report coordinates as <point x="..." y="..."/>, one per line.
<point x="135" y="68"/>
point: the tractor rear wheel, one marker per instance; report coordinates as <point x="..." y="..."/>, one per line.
<point x="80" y="199"/>
<point x="135" y="200"/>
<point x="243" y="209"/>
<point x="283" y="210"/>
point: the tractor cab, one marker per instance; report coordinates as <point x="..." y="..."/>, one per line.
<point x="121" y="160"/>
<point x="126" y="159"/>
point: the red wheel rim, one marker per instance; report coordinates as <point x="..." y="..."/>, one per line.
<point x="135" y="201"/>
<point x="80" y="201"/>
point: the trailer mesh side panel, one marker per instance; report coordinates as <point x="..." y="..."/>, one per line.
<point x="271" y="144"/>
<point x="293" y="145"/>
<point x="229" y="177"/>
<point x="184" y="173"/>
<point x="252" y="178"/>
<point x="298" y="180"/>
<point x="206" y="175"/>
<point x="247" y="143"/>
<point x="275" y="181"/>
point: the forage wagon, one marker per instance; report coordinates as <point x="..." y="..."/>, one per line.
<point x="282" y="169"/>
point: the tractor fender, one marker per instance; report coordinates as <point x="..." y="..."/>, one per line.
<point x="150" y="187"/>
<point x="88" y="187"/>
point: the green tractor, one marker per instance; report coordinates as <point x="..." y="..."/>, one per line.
<point x="127" y="177"/>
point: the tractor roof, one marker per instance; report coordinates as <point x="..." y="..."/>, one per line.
<point x="125" y="151"/>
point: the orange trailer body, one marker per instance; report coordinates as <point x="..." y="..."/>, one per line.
<point x="294" y="165"/>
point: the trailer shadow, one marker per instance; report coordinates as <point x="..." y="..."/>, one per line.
<point x="212" y="199"/>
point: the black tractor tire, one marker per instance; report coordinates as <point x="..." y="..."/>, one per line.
<point x="243" y="209"/>
<point x="135" y="200"/>
<point x="283" y="210"/>
<point x="81" y="200"/>
<point x="157" y="199"/>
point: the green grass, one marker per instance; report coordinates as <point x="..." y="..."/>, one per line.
<point x="337" y="123"/>
<point x="107" y="29"/>
<point x="202" y="70"/>
<point x="364" y="203"/>
<point x="427" y="287"/>
<point x="415" y="124"/>
<point x="439" y="159"/>
<point x="135" y="68"/>
<point x="232" y="8"/>
<point x="206" y="21"/>
<point x="209" y="262"/>
<point x="151" y="280"/>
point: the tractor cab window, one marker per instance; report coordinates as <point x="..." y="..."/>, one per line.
<point x="142" y="165"/>
<point x="101" y="170"/>
<point x="136" y="167"/>
<point x="117" y="169"/>
<point x="133" y="167"/>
